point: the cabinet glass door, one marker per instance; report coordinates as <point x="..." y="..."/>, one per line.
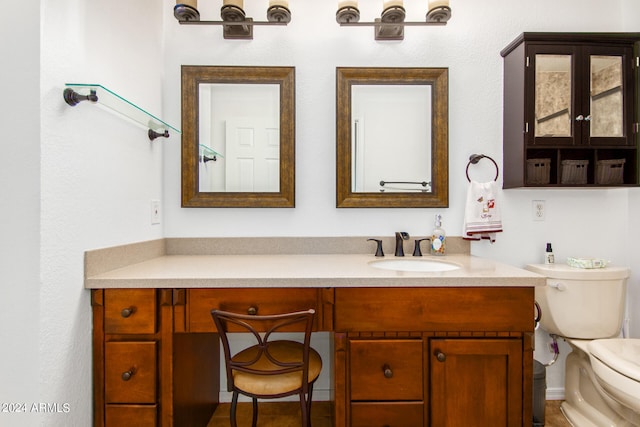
<point x="553" y="96"/>
<point x="606" y="101"/>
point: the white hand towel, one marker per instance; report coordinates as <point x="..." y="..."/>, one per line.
<point x="482" y="218"/>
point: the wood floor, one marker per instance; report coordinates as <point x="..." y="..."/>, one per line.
<point x="288" y="415"/>
<point x="553" y="416"/>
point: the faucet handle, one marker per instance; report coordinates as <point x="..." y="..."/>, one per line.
<point x="402" y="235"/>
<point x="379" y="251"/>
<point x="416" y="249"/>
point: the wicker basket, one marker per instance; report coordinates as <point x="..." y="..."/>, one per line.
<point x="574" y="171"/>
<point x="610" y="171"/>
<point x="538" y="171"/>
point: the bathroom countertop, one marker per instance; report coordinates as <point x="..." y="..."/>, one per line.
<point x="157" y="269"/>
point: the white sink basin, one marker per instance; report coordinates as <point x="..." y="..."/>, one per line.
<point x="414" y="264"/>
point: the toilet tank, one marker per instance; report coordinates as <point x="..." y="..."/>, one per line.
<point x="581" y="303"/>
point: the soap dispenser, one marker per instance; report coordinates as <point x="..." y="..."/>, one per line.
<point x="438" y="237"/>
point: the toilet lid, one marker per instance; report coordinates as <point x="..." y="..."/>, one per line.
<point x="621" y="355"/>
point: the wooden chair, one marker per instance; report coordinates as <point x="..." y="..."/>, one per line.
<point x="271" y="368"/>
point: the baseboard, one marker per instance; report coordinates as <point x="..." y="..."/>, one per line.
<point x="556" y="393"/>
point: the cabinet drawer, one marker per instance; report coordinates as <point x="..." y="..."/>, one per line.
<point x="129" y="311"/>
<point x="386" y="369"/>
<point x="126" y="415"/>
<point x="130" y="372"/>
<point x="250" y="300"/>
<point x="391" y="414"/>
<point x="479" y="309"/>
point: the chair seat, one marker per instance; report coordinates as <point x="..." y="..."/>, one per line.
<point x="283" y="351"/>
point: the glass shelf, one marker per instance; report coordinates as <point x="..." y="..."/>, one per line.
<point x="116" y="103"/>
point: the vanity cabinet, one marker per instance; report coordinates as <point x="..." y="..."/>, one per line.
<point x="403" y="356"/>
<point x="571" y="110"/>
<point x="126" y="356"/>
<point x="433" y="356"/>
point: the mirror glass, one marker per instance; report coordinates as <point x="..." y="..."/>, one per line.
<point x="553" y="95"/>
<point x="380" y="116"/>
<point x="237" y="136"/>
<point x="239" y="127"/>
<point x="392" y="137"/>
<point x="554" y="98"/>
<point x="606" y="99"/>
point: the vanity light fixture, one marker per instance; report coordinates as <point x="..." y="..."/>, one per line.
<point x="235" y="24"/>
<point x="390" y="25"/>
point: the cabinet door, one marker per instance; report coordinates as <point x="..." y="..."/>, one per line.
<point x="552" y="103"/>
<point x="607" y="103"/>
<point x="476" y="382"/>
<point x="580" y="95"/>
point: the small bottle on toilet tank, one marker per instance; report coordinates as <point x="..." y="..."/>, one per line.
<point x="548" y="255"/>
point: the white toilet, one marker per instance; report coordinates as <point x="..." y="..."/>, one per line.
<point x="602" y="373"/>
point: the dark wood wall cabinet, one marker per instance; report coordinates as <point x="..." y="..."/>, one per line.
<point x="431" y="357"/>
<point x="571" y="110"/>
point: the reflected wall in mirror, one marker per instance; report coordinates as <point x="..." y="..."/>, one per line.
<point x="392" y="137"/>
<point x="238" y="136"/>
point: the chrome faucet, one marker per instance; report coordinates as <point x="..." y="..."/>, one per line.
<point x="400" y="236"/>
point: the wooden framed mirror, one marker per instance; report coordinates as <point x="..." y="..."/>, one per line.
<point x="238" y="136"/>
<point x="392" y="137"/>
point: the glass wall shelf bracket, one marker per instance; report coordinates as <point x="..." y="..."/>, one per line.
<point x="208" y="154"/>
<point x="75" y="93"/>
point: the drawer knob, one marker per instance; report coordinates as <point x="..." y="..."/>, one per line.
<point x="440" y="356"/>
<point x="126" y="312"/>
<point x="126" y="376"/>
<point x="386" y="369"/>
<point x="252" y="311"/>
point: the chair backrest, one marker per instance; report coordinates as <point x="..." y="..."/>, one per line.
<point x="254" y="324"/>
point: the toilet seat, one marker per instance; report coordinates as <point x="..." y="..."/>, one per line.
<point x="617" y="371"/>
<point x="620" y="354"/>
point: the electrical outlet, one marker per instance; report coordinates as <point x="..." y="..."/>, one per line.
<point x="538" y="210"/>
<point x="155" y="212"/>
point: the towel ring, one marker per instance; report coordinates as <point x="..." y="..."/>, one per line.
<point x="475" y="158"/>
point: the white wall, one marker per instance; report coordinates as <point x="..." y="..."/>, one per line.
<point x="19" y="210"/>
<point x="578" y="223"/>
<point x="79" y="178"/>
<point x="71" y="179"/>
<point x="631" y="12"/>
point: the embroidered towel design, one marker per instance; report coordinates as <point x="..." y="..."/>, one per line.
<point x="482" y="218"/>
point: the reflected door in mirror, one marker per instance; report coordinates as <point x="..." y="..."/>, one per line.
<point x="240" y="122"/>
